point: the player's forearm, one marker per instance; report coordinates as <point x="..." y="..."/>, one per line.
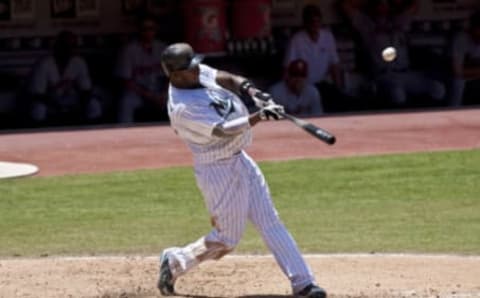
<point x="236" y="126"/>
<point x="230" y="81"/>
<point x="232" y="127"/>
<point x="237" y="84"/>
<point x="254" y="119"/>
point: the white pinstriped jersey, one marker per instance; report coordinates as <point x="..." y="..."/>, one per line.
<point x="194" y="113"/>
<point x="233" y="186"/>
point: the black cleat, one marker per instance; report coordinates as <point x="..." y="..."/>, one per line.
<point x="165" y="282"/>
<point x="312" y="291"/>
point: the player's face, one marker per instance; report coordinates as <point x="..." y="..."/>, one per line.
<point x="186" y="79"/>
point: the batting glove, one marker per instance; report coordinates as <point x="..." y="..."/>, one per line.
<point x="262" y="99"/>
<point x="271" y="112"/>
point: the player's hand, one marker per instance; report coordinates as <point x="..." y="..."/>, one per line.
<point x="262" y="99"/>
<point x="272" y="112"/>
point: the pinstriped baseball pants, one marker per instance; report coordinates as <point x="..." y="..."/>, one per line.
<point x="235" y="191"/>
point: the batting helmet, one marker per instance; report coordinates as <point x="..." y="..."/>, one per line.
<point x="179" y="56"/>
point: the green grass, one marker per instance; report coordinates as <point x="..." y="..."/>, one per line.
<point x="427" y="202"/>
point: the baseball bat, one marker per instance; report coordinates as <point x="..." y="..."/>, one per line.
<point x="315" y="131"/>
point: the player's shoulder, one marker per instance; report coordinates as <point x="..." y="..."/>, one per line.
<point x="186" y="98"/>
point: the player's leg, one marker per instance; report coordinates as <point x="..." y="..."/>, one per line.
<point x="226" y="197"/>
<point x="264" y="216"/>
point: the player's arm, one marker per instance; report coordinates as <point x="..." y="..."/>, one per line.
<point x="239" y="125"/>
<point x="236" y="126"/>
<point x="243" y="87"/>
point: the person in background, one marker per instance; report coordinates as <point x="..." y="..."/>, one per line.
<point x="385" y="25"/>
<point x="317" y="47"/>
<point x="60" y="84"/>
<point x="139" y="68"/>
<point x="295" y="93"/>
<point x="466" y="61"/>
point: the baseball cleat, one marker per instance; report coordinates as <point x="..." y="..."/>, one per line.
<point x="312" y="291"/>
<point x="165" y="282"/>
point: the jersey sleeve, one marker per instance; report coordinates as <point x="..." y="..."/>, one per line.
<point x="197" y="119"/>
<point x="208" y="76"/>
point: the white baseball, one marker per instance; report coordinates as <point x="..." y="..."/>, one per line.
<point x="389" y="54"/>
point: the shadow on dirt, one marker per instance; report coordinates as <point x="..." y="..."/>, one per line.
<point x="249" y="296"/>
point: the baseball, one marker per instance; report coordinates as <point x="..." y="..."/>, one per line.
<point x="389" y="54"/>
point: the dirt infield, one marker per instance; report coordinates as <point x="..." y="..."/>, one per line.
<point x="59" y="153"/>
<point x="344" y="276"/>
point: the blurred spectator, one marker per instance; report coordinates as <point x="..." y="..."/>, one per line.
<point x="385" y="24"/>
<point x="295" y="93"/>
<point x="139" y="68"/>
<point x="61" y="85"/>
<point x="466" y="61"/>
<point x="317" y="46"/>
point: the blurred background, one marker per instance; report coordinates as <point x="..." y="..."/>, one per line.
<point x="92" y="62"/>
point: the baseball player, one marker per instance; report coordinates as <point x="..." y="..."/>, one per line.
<point x="206" y="112"/>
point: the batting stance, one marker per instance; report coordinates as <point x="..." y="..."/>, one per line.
<point x="207" y="114"/>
